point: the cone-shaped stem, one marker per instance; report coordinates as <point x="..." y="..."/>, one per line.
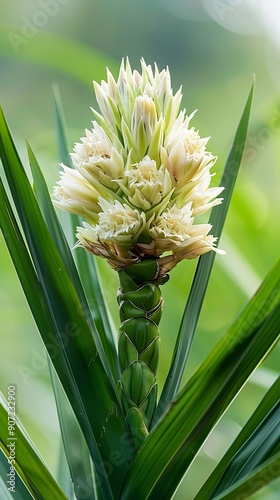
<point x="140" y="308"/>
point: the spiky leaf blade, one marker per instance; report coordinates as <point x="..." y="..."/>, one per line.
<point x="76" y="450"/>
<point x="84" y="378"/>
<point x="28" y="464"/>
<point x="204" y="267"/>
<point x="258" y="479"/>
<point x="174" y="442"/>
<point x="254" y="425"/>
<point x="86" y="262"/>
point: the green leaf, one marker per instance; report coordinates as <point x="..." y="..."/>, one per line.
<point x="63" y="473"/>
<point x="29" y="465"/>
<point x="86" y="262"/>
<point x="204" y="267"/>
<point x="254" y="427"/>
<point x="64" y="327"/>
<point x="60" y="127"/>
<point x="43" y="198"/>
<point x="22" y="492"/>
<point x="259" y="447"/>
<point x="44" y="201"/>
<point x="171" y="447"/>
<point x="258" y="479"/>
<point x="66" y="55"/>
<point x="76" y="450"/>
<point x="39" y="309"/>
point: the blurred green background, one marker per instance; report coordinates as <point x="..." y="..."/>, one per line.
<point x="212" y="47"/>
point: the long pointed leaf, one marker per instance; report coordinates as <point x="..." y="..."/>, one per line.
<point x="22" y="491"/>
<point x="171" y="447"/>
<point x="48" y="330"/>
<point x="86" y="262"/>
<point x="256" y="450"/>
<point x="71" y="57"/>
<point x="63" y="473"/>
<point x="204" y="267"/>
<point x="76" y="450"/>
<point x="268" y="402"/>
<point x="58" y="236"/>
<point x="28" y="463"/>
<point x="258" y="479"/>
<point x="61" y="134"/>
<point x="82" y="374"/>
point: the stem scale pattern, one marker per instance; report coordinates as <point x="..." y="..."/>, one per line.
<point x="140" y="309"/>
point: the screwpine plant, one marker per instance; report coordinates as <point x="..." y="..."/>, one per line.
<point x="140" y="178"/>
<point x="133" y="192"/>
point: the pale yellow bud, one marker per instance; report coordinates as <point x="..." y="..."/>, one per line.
<point x="172" y="227"/>
<point x="74" y="194"/>
<point x="119" y="222"/>
<point x="98" y="160"/>
<point x="146" y="186"/>
<point x="144" y="119"/>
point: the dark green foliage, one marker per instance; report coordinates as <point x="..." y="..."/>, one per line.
<point x="140" y="308"/>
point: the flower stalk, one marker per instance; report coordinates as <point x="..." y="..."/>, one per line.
<point x="140" y="309"/>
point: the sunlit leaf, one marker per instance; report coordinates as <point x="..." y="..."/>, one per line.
<point x="68" y="340"/>
<point x="243" y="443"/>
<point x="204" y="267"/>
<point x="69" y="56"/>
<point x="258" y="479"/>
<point x="86" y="262"/>
<point x="76" y="450"/>
<point x="171" y="447"/>
<point x="105" y="352"/>
<point x="29" y="465"/>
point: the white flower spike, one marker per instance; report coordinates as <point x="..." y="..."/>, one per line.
<point x="142" y="175"/>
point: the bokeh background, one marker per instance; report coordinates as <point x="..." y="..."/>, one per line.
<point x="213" y="48"/>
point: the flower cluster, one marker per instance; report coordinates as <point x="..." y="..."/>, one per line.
<point x="141" y="176"/>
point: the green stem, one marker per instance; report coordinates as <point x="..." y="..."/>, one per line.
<point x="140" y="309"/>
